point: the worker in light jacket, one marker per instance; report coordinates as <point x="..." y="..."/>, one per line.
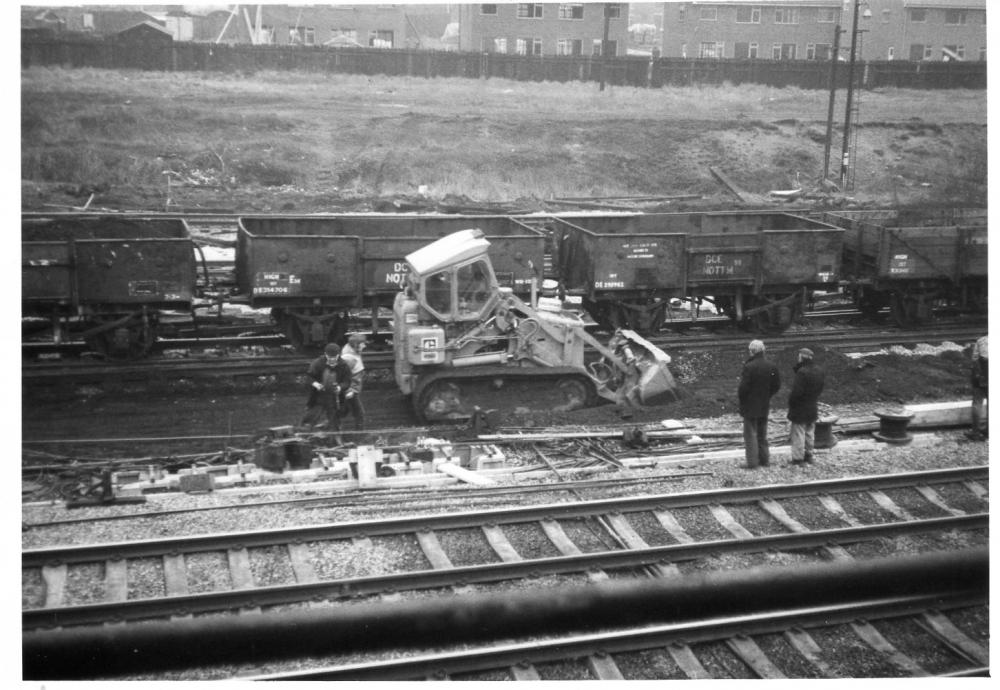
<point x="329" y="384"/>
<point x="759" y="381"/>
<point x="803" y="406"/>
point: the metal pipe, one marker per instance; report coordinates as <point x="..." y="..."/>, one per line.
<point x="845" y="161"/>
<point x="107" y="651"/>
<point x="477" y="360"/>
<point x="835" y="56"/>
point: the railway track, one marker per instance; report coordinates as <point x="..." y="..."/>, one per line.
<point x="292" y="364"/>
<point x="660" y="535"/>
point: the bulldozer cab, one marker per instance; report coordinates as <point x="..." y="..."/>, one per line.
<point x="453" y="278"/>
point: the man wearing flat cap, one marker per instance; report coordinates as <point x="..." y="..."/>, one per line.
<point x="759" y="380"/>
<point x="803" y="406"/>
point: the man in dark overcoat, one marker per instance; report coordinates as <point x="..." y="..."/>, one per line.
<point x="803" y="406"/>
<point x="758" y="382"/>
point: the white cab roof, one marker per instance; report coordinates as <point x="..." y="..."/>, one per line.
<point x="451" y="249"/>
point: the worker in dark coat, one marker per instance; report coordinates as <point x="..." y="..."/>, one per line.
<point x="803" y="406"/>
<point x="980" y="379"/>
<point x="758" y="382"/>
<point x="329" y="382"/>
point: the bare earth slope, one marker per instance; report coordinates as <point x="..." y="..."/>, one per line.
<point x="297" y="142"/>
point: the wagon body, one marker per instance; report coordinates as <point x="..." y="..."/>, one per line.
<point x="350" y="260"/>
<point x="106" y="264"/>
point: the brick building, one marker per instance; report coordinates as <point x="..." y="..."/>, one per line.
<point x="547" y="28"/>
<point x="804" y="29"/>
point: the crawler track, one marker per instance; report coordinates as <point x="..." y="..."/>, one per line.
<point x="653" y="534"/>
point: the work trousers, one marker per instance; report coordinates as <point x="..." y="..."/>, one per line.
<point x="980" y="422"/>
<point x="755" y="439"/>
<point x="801" y="437"/>
<point x="353" y="407"/>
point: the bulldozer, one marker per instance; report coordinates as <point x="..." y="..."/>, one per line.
<point x="464" y="344"/>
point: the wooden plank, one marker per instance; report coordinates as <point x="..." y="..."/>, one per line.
<point x="805" y="645"/>
<point x="778" y="512"/>
<point x="874" y="639"/>
<point x="301" y="564"/>
<point x="432" y="549"/>
<point x="727" y="520"/>
<point x="554" y="531"/>
<point x="604" y="667"/>
<point x="54" y="577"/>
<point x="175" y="575"/>
<point x="240" y="573"/>
<point x="947" y="632"/>
<point x="464" y="475"/>
<point x="733" y="188"/>
<point x="934" y="497"/>
<point x="833" y="506"/>
<point x="685" y="658"/>
<point x="889" y="505"/>
<point x="524" y="671"/>
<point x="632" y="539"/>
<point x="670" y="524"/>
<point x="501" y="545"/>
<point x="753" y="656"/>
<point x="116" y="579"/>
<point x="978" y="489"/>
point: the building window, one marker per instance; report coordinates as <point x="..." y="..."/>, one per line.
<point x="569" y="46"/>
<point x="88" y="21"/>
<point x="953" y="53"/>
<point x="954" y="17"/>
<point x="379" y="38"/>
<point x="351" y="34"/>
<point x="529" y="46"/>
<point x="891" y="53"/>
<point x="297" y="35"/>
<point x="748" y="15"/>
<point x="529" y="10"/>
<point x="709" y="14"/>
<point x="684" y="50"/>
<point x="710" y="49"/>
<point x="982" y="54"/>
<point x="753" y="51"/>
<point x="571" y="11"/>
<point x="745" y="51"/>
<point x="919" y="51"/>
<point x="682" y="13"/>
<point x="783" y="51"/>
<point x="886" y="15"/>
<point x="612" y="10"/>
<point x="310" y="38"/>
<point x="826" y="15"/>
<point x="494" y="45"/>
<point x="818" y="51"/>
<point x="488" y="9"/>
<point x="786" y="15"/>
<point x="918" y="14"/>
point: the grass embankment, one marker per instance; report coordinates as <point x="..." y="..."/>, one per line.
<point x="274" y="141"/>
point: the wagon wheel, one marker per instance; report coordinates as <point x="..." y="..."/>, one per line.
<point x="871" y="302"/>
<point x="439" y="400"/>
<point x="910" y="310"/>
<point x="773" y="319"/>
<point x="132" y="340"/>
<point x="576" y="393"/>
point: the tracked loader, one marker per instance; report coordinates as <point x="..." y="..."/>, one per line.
<point x="463" y="343"/>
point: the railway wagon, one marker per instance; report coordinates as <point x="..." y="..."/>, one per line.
<point x="758" y="268"/>
<point x="110" y="275"/>
<point x="918" y="271"/>
<point x="311" y="270"/>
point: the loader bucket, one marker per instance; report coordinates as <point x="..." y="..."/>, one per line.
<point x="656" y="384"/>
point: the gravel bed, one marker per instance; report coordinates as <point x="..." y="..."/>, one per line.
<point x="906" y="635"/>
<point x="811" y="513"/>
<point x="651" y="664"/>
<point x="959" y="497"/>
<point x="589" y="535"/>
<point x="32" y="588"/>
<point x="916" y="505"/>
<point x="207" y="572"/>
<point x="271" y="566"/>
<point x="467" y="547"/>
<point x="841" y="642"/>
<point x="530" y="541"/>
<point x="973" y="621"/>
<point x="785" y="657"/>
<point x="145" y="578"/>
<point x="650" y="529"/>
<point x="565" y="670"/>
<point x="333" y="560"/>
<point x="756" y="520"/>
<point x="700" y="524"/>
<point x="720" y="661"/>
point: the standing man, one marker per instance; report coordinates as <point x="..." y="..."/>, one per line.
<point x="803" y="409"/>
<point x="351" y="355"/>
<point x="330" y="378"/>
<point x="980" y="389"/>
<point x="758" y="382"/>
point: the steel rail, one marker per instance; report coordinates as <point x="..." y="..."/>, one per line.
<point x="394" y="526"/>
<point x="441" y="666"/>
<point x="294" y="363"/>
<point x="492" y="572"/>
